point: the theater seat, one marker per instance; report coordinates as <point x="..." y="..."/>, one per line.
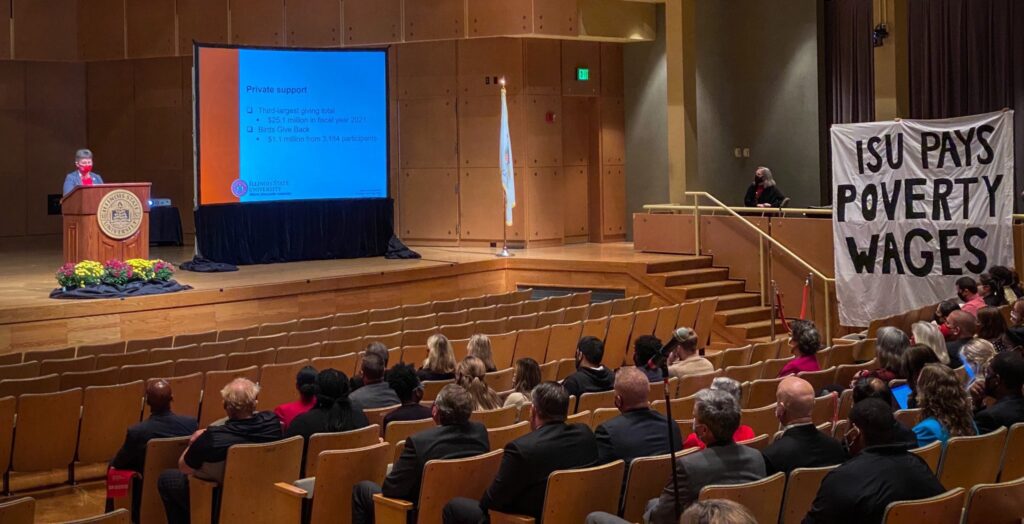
<point x="573" y="494"/>
<point x="337" y="472"/>
<point x="940" y="509"/>
<point x="320" y="442"/>
<point x="763" y="498"/>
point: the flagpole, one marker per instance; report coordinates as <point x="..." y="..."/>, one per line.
<point x="504" y="253"/>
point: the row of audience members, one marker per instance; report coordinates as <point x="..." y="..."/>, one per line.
<point x="329" y="401"/>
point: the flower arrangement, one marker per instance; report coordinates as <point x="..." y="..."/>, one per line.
<point x="116" y="273"/>
<point x="113" y="272"/>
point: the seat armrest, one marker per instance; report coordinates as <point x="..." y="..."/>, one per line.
<point x="498" y="517"/>
<point x="391" y="511"/>
<point x="288" y="489"/>
<point x="200" y="500"/>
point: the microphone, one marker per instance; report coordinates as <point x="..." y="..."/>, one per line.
<point x="679" y="336"/>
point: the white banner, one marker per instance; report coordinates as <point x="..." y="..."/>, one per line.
<point x="918" y="204"/>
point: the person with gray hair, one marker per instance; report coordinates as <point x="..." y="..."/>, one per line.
<point x="743" y="432"/>
<point x="716" y="415"/>
<point x="804" y="344"/>
<point x="82" y="175"/>
<point x="454" y="437"/>
<point x="208" y="448"/>
<point x="762" y="191"/>
<point x="890" y="345"/>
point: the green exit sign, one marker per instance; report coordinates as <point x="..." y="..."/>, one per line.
<point x="582" y="74"/>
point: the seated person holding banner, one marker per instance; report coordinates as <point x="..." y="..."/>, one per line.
<point x="83" y="175"/>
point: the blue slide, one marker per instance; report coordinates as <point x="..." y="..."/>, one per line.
<point x="312" y="125"/>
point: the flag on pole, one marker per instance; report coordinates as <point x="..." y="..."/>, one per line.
<point x="508" y="181"/>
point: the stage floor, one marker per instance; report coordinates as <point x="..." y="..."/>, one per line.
<point x="27" y="277"/>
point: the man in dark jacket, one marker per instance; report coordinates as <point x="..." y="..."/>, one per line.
<point x="522" y="479"/>
<point x="1003" y="382"/>
<point x="162" y="423"/>
<point x="590" y="375"/>
<point x="208" y="449"/>
<point x="874" y="387"/>
<point x="801" y="444"/>
<point x="454" y="437"/>
<point x="859" y="490"/>
<point x="638" y="431"/>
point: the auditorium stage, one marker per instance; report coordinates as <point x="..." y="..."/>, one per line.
<point x="275" y="292"/>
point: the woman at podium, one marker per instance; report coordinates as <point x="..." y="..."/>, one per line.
<point x="82" y="175"/>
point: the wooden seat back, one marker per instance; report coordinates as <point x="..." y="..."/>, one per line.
<point x="24" y="386"/>
<point x="616" y="342"/>
<point x="444" y="480"/>
<point x="824" y="408"/>
<point x="773" y="367"/>
<point x="762" y="498"/>
<point x="592" y="401"/>
<point x="573" y="314"/>
<point x="521" y="322"/>
<point x="379" y="329"/>
<point x="600" y="309"/>
<point x="212" y="407"/>
<point x="622" y="305"/>
<point x="503" y="347"/>
<point x="40" y="355"/>
<point x="457" y="331"/>
<point x="846" y="372"/>
<point x="530" y="343"/>
<point x="550" y="318"/>
<point x="161" y="454"/>
<point x="376" y="416"/>
<point x="58" y="366"/>
<point x="338" y="471"/>
<point x="264" y="341"/>
<point x="995" y="503"/>
<point x="931" y="454"/>
<point x="289" y="354"/>
<point x="24" y="370"/>
<point x="47" y="431"/>
<point x="18" y="511"/>
<point x="175" y="354"/>
<point x="665" y="324"/>
<point x="761" y="393"/>
<point x="345" y="363"/>
<point x="595" y="327"/>
<point x="602" y="415"/>
<point x="84" y="379"/>
<point x="681" y="407"/>
<point x="737" y="357"/>
<point x="571" y="495"/>
<point x="908" y="417"/>
<point x="350" y="319"/>
<point x="277" y="328"/>
<point x="201" y="365"/>
<point x="801" y="488"/>
<point x="742" y="374"/>
<point x="194" y="338"/>
<point x="415" y="310"/>
<point x="819" y="379"/>
<point x="277" y="383"/>
<point x="656" y="390"/>
<point x="250" y="473"/>
<point x="8" y="408"/>
<point x="226" y="346"/>
<point x="320" y="442"/>
<point x="101" y="349"/>
<point x="187" y="391"/>
<point x="967" y="461"/>
<point x="762" y="420"/>
<point x="133" y="358"/>
<point x="645" y="481"/>
<point x="399" y="430"/>
<point x="149" y="343"/>
<point x="107" y="412"/>
<point x="384" y="314"/>
<point x="301" y="338"/>
<point x="496" y="418"/>
<point x="763" y="351"/>
<point x="562" y="342"/>
<point x="252" y="358"/>
<point x="691" y="384"/>
<point x="315" y="323"/>
<point x="705" y="321"/>
<point x="499" y="437"/>
<point x="940" y="509"/>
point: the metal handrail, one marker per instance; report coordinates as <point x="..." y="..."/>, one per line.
<point x="762" y="210"/>
<point x="696" y="208"/>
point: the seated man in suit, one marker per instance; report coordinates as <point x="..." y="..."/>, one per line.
<point x="82" y="175"/>
<point x="522" y="479"/>
<point x="162" y="423"/>
<point x="639" y="431"/>
<point x="801" y="444"/>
<point x="590" y="375"/>
<point x="454" y="437"/>
<point x="375" y="393"/>
<point x="859" y="490"/>
<point x="207" y="451"/>
<point x="1003" y="382"/>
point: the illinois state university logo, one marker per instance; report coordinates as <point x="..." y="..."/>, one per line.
<point x="120" y="214"/>
<point x="239" y="188"/>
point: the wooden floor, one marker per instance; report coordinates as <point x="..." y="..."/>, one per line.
<point x="30" y="319"/>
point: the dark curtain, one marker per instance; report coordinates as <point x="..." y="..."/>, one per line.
<point x="849" y="71"/>
<point x="967" y="57"/>
<point x="267" y="232"/>
<point x="849" y="61"/>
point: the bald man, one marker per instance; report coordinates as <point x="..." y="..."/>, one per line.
<point x="162" y="423"/>
<point x="962" y="327"/>
<point x="638" y="431"/>
<point x="801" y="444"/>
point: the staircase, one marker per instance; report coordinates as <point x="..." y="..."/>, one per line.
<point x="739" y="316"/>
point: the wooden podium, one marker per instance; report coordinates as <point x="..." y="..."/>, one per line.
<point x="106" y="221"/>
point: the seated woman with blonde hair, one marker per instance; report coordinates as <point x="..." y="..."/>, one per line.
<point x="440" y="362"/>
<point x="525" y="377"/>
<point x="470" y="375"/>
<point x="928" y="334"/>
<point x="479" y="346"/>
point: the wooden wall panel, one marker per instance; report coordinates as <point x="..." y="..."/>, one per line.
<point x="372" y="21"/>
<point x="313" y="23"/>
<point x="556" y="17"/>
<point x="543" y="61"/>
<point x="425" y="69"/>
<point x="500" y="18"/>
<point x="612" y="76"/>
<point x="479" y="123"/>
<point x="433" y="213"/>
<point x="257" y="22"/>
<point x="204" y="21"/>
<point x="434" y="19"/>
<point x="576" y="202"/>
<point x="5" y="29"/>
<point x="732" y="244"/>
<point x="150" y="28"/>
<point x="158" y="103"/>
<point x="12" y="136"/>
<point x="546" y="190"/>
<point x="428" y="135"/>
<point x="581" y="54"/>
<point x="45" y="30"/>
<point x="543" y="130"/>
<point x="480" y="203"/>
<point x="613" y="131"/>
<point x="55" y="104"/>
<point x="101" y="34"/>
<point x="613" y="205"/>
<point x="480" y="61"/>
<point x="576" y="115"/>
<point x="110" y="110"/>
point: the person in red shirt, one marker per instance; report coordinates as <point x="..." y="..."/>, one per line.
<point x="305" y="383"/>
<point x="804" y="343"/>
<point x="967" y="290"/>
<point x="742" y="433"/>
<point x="82" y="175"/>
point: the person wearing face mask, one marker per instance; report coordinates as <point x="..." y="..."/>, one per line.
<point x="82" y="175"/>
<point x="762" y="191"/>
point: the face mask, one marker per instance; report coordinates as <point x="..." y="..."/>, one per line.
<point x="84" y="170"/>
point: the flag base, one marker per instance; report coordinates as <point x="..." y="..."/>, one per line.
<point x="504" y="253"/>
